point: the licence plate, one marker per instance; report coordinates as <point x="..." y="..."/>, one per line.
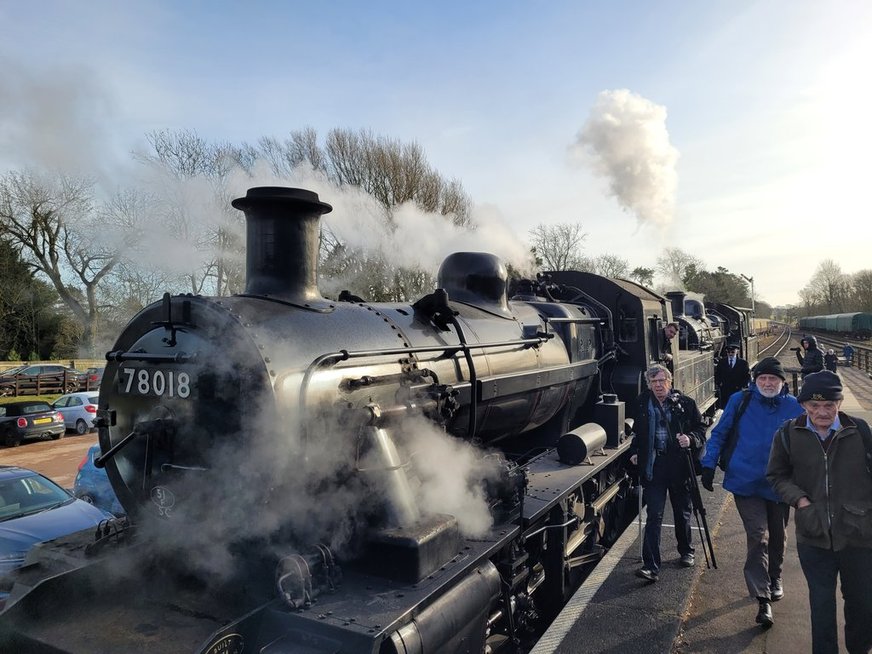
<point x="154" y="382"/>
<point x="41" y="421"/>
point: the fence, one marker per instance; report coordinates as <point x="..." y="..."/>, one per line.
<point x="76" y="364"/>
<point x="50" y="383"/>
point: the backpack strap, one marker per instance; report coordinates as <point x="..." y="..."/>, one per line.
<point x="866" y="435"/>
<point x="784" y="434"/>
<point x="733" y="434"/>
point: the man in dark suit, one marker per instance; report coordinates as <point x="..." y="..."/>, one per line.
<point x="731" y="374"/>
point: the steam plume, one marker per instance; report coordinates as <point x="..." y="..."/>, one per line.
<point x="626" y="141"/>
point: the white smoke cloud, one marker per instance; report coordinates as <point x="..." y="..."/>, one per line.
<point x="59" y="118"/>
<point x="417" y="238"/>
<point x="625" y="140"/>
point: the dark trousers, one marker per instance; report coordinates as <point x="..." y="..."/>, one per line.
<point x="669" y="476"/>
<point x="765" y="525"/>
<point x="853" y="566"/>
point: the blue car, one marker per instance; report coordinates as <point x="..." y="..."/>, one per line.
<point x="34" y="509"/>
<point x="92" y="484"/>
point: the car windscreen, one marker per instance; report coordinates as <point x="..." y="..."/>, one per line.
<point x="32" y="494"/>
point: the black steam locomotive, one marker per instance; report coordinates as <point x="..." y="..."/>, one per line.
<point x="309" y="475"/>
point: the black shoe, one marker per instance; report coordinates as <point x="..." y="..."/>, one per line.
<point x="776" y="590"/>
<point x="764" y="615"/>
<point x="687" y="560"/>
<point x="648" y="574"/>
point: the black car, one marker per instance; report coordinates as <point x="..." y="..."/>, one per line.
<point x="20" y="420"/>
<point x="41" y="378"/>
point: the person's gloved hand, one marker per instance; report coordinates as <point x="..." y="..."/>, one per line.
<point x="707" y="478"/>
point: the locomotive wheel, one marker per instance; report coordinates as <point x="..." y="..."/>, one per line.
<point x="81" y="427"/>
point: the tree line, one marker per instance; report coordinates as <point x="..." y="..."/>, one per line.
<point x="832" y="291"/>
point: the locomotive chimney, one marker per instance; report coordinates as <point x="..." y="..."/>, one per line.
<point x="282" y="240"/>
<point x="676" y="299"/>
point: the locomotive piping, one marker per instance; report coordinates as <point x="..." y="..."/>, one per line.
<point x="344" y="355"/>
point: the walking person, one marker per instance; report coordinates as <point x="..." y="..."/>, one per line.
<point x="820" y="464"/>
<point x="809" y="356"/>
<point x="741" y="442"/>
<point x="731" y="374"/>
<point x="667" y="423"/>
<point x="848" y="353"/>
<point x="831" y="360"/>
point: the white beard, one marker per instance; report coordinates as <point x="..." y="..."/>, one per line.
<point x="770" y="394"/>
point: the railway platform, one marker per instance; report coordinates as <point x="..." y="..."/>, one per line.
<point x="692" y="610"/>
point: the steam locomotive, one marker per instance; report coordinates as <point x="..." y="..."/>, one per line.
<point x="308" y="475"/>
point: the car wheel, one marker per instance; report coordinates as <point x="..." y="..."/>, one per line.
<point x="81" y="427"/>
<point x="87" y="498"/>
<point x="71" y="387"/>
<point x="56" y="437"/>
<point x="6" y="391"/>
<point x="12" y="440"/>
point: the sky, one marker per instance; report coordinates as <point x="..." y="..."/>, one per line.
<point x="737" y="131"/>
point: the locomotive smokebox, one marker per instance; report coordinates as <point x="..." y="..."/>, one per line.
<point x="282" y="235"/>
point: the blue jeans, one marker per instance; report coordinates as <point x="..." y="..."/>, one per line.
<point x="853" y="566"/>
<point x="668" y="476"/>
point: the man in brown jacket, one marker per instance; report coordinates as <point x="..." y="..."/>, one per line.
<point x="818" y="465"/>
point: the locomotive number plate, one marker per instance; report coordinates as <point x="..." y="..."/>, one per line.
<point x="155" y="382"/>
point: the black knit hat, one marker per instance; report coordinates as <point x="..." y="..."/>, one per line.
<point x="769" y="366"/>
<point x="823" y="386"/>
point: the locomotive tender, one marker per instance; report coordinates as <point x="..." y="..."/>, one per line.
<point x="309" y="475"/>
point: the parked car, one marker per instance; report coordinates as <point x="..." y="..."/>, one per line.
<point x="79" y="410"/>
<point x="93" y="377"/>
<point x="34" y="509"/>
<point x="28" y="419"/>
<point x="92" y="484"/>
<point x="40" y="378"/>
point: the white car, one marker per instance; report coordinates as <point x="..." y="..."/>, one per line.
<point x="79" y="409"/>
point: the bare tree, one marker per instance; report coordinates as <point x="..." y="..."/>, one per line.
<point x="611" y="265"/>
<point x="828" y="289"/>
<point x="861" y="291"/>
<point x="559" y="246"/>
<point x="217" y="239"/>
<point x="673" y="263"/>
<point x="52" y="220"/>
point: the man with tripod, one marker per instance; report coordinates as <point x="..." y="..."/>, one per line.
<point x="667" y="423"/>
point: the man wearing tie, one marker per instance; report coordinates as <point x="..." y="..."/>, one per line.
<point x="731" y="374"/>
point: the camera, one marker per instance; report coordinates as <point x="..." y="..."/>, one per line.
<point x="673" y="400"/>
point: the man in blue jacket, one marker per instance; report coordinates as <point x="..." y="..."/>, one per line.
<point x="746" y="451"/>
